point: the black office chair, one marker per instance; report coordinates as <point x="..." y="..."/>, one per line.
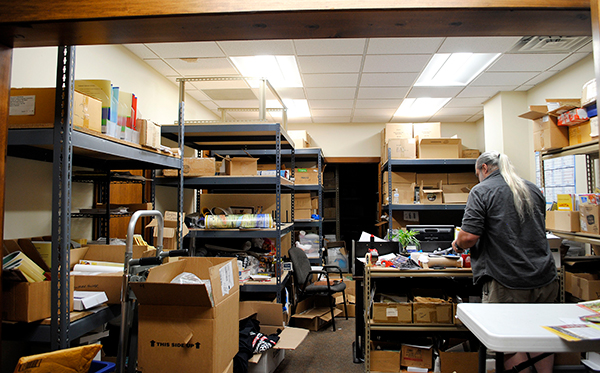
<point x="303" y="275"/>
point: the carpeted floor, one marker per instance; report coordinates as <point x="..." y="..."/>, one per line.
<point x="324" y="351"/>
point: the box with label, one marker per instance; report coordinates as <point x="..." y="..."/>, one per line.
<point x="431" y="195"/>
<point x="34" y="108"/>
<point x="580" y="133"/>
<point x="567" y="221"/>
<point x="188" y="327"/>
<point x="397" y="131"/>
<point x="400" y="149"/>
<point x="392" y="309"/>
<point x="588" y="218"/>
<point x="427" y="130"/>
<point x="194" y="167"/>
<point x="241" y="166"/>
<point x="307" y="176"/>
<point x="471" y="153"/>
<point x="417" y="356"/>
<point x="439" y="148"/>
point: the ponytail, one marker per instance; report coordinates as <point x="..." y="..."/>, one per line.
<point x="521" y="193"/>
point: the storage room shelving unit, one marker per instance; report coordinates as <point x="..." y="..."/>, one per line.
<point x="65" y="147"/>
<point x="255" y="135"/>
<point x="423" y="166"/>
<point x="372" y="275"/>
<point x="333" y="190"/>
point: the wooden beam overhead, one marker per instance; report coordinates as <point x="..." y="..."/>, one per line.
<point x="74" y="27"/>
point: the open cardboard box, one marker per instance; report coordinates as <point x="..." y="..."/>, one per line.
<point x="271" y="317"/>
<point x="170" y="229"/>
<point x="313" y="313"/>
<point x="187" y="327"/>
<point x="110" y="283"/>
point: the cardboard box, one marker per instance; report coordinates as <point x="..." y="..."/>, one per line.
<point x="241" y="166"/>
<point x="194" y="167"/>
<point x="397" y="131"/>
<point x="431" y="312"/>
<point x="170" y="230"/>
<point x="188" y="327"/>
<point x="34" y="108"/>
<point x="350" y="299"/>
<point x="439" y="148"/>
<point x="302" y="201"/>
<point x="260" y="203"/>
<point x="580" y="133"/>
<point x="400" y="177"/>
<point x="431" y="196"/>
<point x="401" y="194"/>
<point x="427" y="130"/>
<point x="301" y="138"/>
<point x="567" y="221"/>
<point x="149" y="133"/>
<point x="400" y="149"/>
<point x="456" y="194"/>
<point x="28" y="302"/>
<point x="459" y="361"/>
<point x="400" y="219"/>
<point x="385" y="357"/>
<point x="307" y="176"/>
<point x="588" y="218"/>
<point x="302" y="214"/>
<point x="313" y="313"/>
<point x="388" y="312"/>
<point x="584" y="286"/>
<point x="432" y="180"/>
<point x="109" y="283"/>
<point x="417" y="356"/>
<point x="463" y="178"/>
<point x="471" y="153"/>
<point x="548" y="135"/>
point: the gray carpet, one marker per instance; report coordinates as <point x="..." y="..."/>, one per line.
<point x="324" y="351"/>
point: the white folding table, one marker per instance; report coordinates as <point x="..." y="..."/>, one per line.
<point x="516" y="327"/>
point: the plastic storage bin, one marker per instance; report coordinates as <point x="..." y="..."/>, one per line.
<point x="101" y="367"/>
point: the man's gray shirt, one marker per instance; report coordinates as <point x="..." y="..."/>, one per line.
<point x="514" y="253"/>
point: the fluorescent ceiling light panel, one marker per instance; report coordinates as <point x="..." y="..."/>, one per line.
<point x="280" y="71"/>
<point x="295" y="108"/>
<point x="454" y="69"/>
<point x="420" y="107"/>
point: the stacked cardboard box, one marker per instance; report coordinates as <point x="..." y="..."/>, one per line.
<point x="302" y="206"/>
<point x="194" y="167"/>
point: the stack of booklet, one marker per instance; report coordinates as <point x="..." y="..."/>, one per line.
<point x="588" y="327"/>
<point x="19" y="265"/>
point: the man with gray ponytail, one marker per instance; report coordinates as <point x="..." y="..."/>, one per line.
<point x="504" y="226"/>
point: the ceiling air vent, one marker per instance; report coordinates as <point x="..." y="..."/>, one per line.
<point x="550" y="44"/>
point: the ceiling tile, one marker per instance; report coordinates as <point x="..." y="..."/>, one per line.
<point x="141" y="50"/>
<point x="331" y="119"/>
<point x="257" y="47"/>
<point x="378" y="104"/>
<point x="540" y="77"/>
<point x="524" y="88"/>
<point x="230" y="94"/>
<point x="202" y="67"/>
<point x="198" y="95"/>
<point x="526" y="62"/>
<point x="284" y="93"/>
<point x="450" y="118"/>
<point x="404" y="45"/>
<point x="475" y="117"/>
<point x="312" y="47"/>
<point x="209" y="105"/>
<point x="588" y="48"/>
<point x="495" y="79"/>
<point x="416" y="92"/>
<point x="387" y="112"/>
<point x="330" y="93"/>
<point x="388" y="79"/>
<point x="466" y="102"/>
<point x="395" y="63"/>
<point x="331" y="113"/>
<point x="186" y="50"/>
<point x="330" y="80"/>
<point x="383" y="93"/>
<point x="330" y="104"/>
<point x="225" y="84"/>
<point x="468" y="111"/>
<point x="371" y="119"/>
<point x="252" y="104"/>
<point x="569" y="61"/>
<point x="478" y="44"/>
<point x="161" y="67"/>
<point x="300" y="120"/>
<point x="483" y="91"/>
<point x="329" y="64"/>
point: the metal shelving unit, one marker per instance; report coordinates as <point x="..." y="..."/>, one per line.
<point x="421" y="165"/>
<point x="65" y="147"/>
<point x="258" y="136"/>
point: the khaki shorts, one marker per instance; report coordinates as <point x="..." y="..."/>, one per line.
<point x="494" y="292"/>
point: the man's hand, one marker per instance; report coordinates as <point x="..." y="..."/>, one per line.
<point x="456" y="248"/>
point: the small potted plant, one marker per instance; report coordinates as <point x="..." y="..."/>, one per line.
<point x="405" y="239"/>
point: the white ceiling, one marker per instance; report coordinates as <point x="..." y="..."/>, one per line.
<point x="357" y="80"/>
